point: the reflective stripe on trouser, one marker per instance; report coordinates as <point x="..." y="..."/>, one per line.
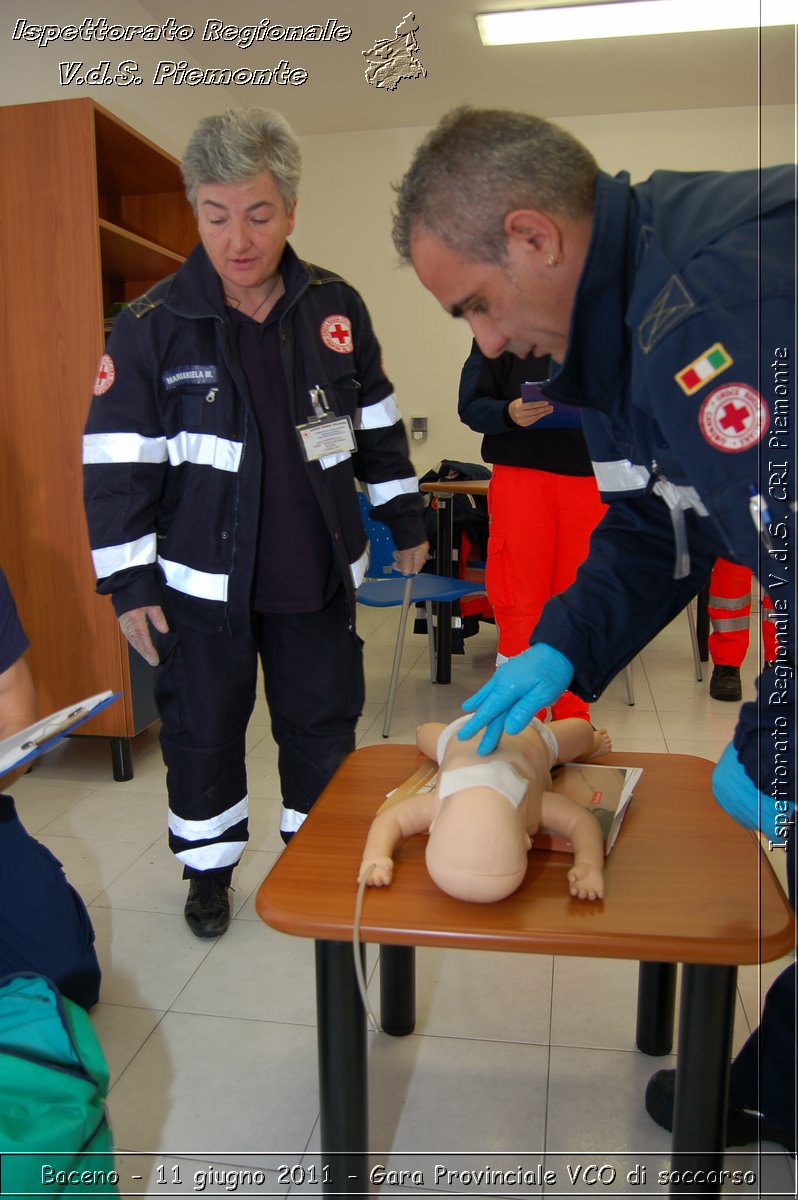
<point x="729" y="613"/>
<point x="205" y="693"/>
<point x="540" y="526"/>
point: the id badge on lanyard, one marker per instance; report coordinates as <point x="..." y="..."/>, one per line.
<point x="325" y="433"/>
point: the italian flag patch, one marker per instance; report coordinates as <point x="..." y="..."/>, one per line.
<point x="703" y="369"/>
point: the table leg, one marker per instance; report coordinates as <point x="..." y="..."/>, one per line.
<point x="443" y="554"/>
<point x="398" y="990"/>
<point x="656" y="1005"/>
<point x="343" y="1078"/>
<point x="121" y="759"/>
<point x="706" y="1022"/>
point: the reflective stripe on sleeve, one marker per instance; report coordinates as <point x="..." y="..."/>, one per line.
<point x="204" y="450"/>
<point x="110" y="559"/>
<point x="122" y="448"/>
<point x="378" y="416"/>
<point x="202" y="584"/>
<point x="381" y="493"/>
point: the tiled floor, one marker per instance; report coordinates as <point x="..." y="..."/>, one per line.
<point x="515" y="1061"/>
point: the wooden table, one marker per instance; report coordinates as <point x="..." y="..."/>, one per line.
<point x="685" y="884"/>
<point x="444" y="490"/>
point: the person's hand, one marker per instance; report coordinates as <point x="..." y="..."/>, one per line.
<point x="586" y="882"/>
<point x="134" y="625"/>
<point x="527" y="412"/>
<point x="411" y="560"/>
<point x="742" y="799"/>
<point x="519" y="688"/>
<point x="378" y="871"/>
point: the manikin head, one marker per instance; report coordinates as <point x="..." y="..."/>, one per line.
<point x="478" y="844"/>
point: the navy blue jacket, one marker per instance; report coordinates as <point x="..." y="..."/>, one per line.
<point x="13" y="639"/>
<point x="682" y="352"/>
<point x="172" y="455"/>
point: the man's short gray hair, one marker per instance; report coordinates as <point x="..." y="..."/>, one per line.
<point x="476" y="166"/>
<point x="237" y="145"/>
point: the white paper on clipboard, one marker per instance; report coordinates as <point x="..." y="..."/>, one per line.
<point x="42" y="735"/>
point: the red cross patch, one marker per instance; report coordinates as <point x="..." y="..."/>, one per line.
<point x="336" y="332"/>
<point x="106" y="373"/>
<point x="733" y="418"/>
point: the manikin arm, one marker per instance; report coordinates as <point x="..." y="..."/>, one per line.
<point x="565" y="816"/>
<point x="401" y="820"/>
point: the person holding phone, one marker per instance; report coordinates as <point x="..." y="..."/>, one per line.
<point x="543" y="498"/>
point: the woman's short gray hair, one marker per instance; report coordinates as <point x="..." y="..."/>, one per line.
<point x="237" y="145"/>
<point x="476" y="166"/>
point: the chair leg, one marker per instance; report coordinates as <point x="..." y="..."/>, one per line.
<point x="397" y="655"/>
<point x="702" y="623"/>
<point x="699" y="674"/>
<point x="433" y="662"/>
<point x="630" y="690"/>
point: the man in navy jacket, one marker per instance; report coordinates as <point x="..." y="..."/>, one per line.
<point x="668" y="308"/>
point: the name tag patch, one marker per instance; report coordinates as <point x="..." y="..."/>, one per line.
<point x="189" y="376"/>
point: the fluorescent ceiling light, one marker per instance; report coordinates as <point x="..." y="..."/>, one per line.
<point x="629" y="18"/>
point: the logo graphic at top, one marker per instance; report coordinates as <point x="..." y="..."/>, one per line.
<point x="390" y="60"/>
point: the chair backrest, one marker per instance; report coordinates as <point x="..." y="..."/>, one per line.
<point x="381" y="543"/>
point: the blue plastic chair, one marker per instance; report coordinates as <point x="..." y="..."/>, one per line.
<point x="383" y="587"/>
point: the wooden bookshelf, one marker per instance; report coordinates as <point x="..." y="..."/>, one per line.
<point x="91" y="213"/>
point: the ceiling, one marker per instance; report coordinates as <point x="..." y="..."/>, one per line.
<point x="684" y="71"/>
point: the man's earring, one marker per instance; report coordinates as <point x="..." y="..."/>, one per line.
<point x="554" y="262"/>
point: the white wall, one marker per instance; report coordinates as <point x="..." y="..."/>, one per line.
<point x="346" y="198"/>
<point x="343" y="222"/>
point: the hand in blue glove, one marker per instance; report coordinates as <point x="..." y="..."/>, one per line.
<point x="741" y="798"/>
<point x="519" y="688"/>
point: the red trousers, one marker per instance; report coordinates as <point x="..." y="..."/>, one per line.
<point x="540" y="526"/>
<point x="729" y="613"/>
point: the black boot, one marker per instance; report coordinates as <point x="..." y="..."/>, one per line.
<point x="725" y="684"/>
<point x="207" y="910"/>
<point x="742" y="1128"/>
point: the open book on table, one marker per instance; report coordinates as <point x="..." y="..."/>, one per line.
<point x="41" y="736"/>
<point x="603" y="789"/>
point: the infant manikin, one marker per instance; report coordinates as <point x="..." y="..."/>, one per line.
<point x="484" y="811"/>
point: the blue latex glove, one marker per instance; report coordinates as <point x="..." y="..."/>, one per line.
<point x="519" y="688"/>
<point x="741" y="798"/>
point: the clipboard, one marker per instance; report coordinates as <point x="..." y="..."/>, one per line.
<point x="41" y="736"/>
